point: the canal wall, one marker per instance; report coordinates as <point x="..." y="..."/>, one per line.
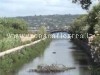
<point x="87" y="49"/>
<point x="11" y="62"/>
<point x="93" y="57"/>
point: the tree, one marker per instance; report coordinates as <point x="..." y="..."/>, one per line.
<point x="12" y="25"/>
<point x="80" y="25"/>
<point x="92" y="18"/>
<point x="42" y="32"/>
<point x="84" y="3"/>
<point x="97" y="26"/>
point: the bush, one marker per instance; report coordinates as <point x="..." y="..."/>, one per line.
<point x="10" y="63"/>
<point x="9" y="42"/>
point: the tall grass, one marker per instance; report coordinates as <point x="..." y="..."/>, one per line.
<point x="10" y="63"/>
<point x="9" y="42"/>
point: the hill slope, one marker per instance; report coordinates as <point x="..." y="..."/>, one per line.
<point x="49" y="20"/>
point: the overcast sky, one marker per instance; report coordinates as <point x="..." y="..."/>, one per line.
<point x="38" y="7"/>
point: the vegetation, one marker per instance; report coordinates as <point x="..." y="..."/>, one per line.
<point x="90" y="24"/>
<point x="50" y="21"/>
<point x="87" y="23"/>
<point x="10" y="28"/>
<point x="85" y="4"/>
<point x="12" y="25"/>
<point x="15" y="26"/>
<point x="11" y="62"/>
<point x="79" y="25"/>
<point x="41" y="33"/>
<point x="8" y="43"/>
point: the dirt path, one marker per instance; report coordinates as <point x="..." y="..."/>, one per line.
<point x="18" y="48"/>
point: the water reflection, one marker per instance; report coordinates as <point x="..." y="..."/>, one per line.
<point x="66" y="53"/>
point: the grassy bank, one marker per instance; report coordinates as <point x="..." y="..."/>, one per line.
<point x="8" y="43"/>
<point x="11" y="62"/>
<point x="12" y="42"/>
<point x="11" y="26"/>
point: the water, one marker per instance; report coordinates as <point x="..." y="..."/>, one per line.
<point x="67" y="54"/>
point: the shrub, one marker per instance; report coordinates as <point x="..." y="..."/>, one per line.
<point x="9" y="42"/>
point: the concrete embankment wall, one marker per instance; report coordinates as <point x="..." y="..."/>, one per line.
<point x="85" y="47"/>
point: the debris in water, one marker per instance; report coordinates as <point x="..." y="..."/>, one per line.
<point x="54" y="52"/>
<point x="51" y="68"/>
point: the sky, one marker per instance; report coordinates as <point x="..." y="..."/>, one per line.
<point x="12" y="8"/>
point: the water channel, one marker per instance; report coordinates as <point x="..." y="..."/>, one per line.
<point x="67" y="53"/>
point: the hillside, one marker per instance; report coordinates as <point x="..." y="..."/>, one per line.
<point x="49" y="20"/>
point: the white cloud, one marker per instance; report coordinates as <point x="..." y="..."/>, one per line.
<point x="53" y="2"/>
<point x="43" y="7"/>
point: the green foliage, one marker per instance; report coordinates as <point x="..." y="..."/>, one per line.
<point x="97" y="26"/>
<point x="13" y="61"/>
<point x="96" y="41"/>
<point x="92" y="18"/>
<point x="42" y="31"/>
<point x="12" y="25"/>
<point x="79" y="25"/>
<point x="49" y="20"/>
<point x="85" y="4"/>
<point x="88" y="23"/>
<point x="91" y="25"/>
<point x="10" y="42"/>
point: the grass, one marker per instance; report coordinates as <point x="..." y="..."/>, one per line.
<point x="10" y="63"/>
<point x="11" y="42"/>
<point x="8" y="43"/>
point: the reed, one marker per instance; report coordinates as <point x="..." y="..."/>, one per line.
<point x="8" y="43"/>
<point x="10" y="63"/>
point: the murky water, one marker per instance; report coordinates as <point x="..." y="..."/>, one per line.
<point x="66" y="53"/>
